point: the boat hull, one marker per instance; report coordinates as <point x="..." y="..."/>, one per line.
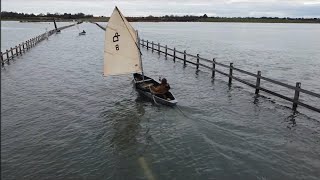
<point x="142" y="88"/>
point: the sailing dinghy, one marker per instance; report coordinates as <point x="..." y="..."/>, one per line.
<point x="122" y="55"/>
<point x="80" y="33"/>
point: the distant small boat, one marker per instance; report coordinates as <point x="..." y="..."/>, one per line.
<point x="82" y="33"/>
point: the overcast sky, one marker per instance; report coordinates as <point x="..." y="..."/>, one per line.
<point x="227" y="8"/>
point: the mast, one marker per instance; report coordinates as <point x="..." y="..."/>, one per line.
<point x="138" y="38"/>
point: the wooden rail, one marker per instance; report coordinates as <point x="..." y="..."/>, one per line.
<point x="27" y="45"/>
<point x="257" y="86"/>
<point x="103" y="28"/>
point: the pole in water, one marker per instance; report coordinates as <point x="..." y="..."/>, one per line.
<point x="140" y="56"/>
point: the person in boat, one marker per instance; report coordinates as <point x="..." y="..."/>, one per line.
<point x="83" y="31"/>
<point x="162" y="88"/>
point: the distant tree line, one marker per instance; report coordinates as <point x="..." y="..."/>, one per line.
<point x="150" y="18"/>
<point x="7" y="15"/>
<point x="205" y="18"/>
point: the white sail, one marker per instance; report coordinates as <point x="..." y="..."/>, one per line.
<point x="121" y="52"/>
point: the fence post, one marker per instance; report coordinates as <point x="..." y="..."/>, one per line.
<point x="198" y="61"/>
<point x="296" y="96"/>
<point x="152" y="46"/>
<point x="17" y="51"/>
<point x="11" y="52"/>
<point x="230" y="73"/>
<point x="258" y="82"/>
<point x="147" y="44"/>
<point x="7" y="55"/>
<point x="184" y="58"/>
<point x="20" y="49"/>
<point x="27" y="45"/>
<point x="158" y="48"/>
<point x="2" y="61"/>
<point x="174" y="54"/>
<point x="213" y="68"/>
<point x="166" y="51"/>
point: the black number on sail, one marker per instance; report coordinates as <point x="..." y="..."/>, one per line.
<point x="116" y="39"/>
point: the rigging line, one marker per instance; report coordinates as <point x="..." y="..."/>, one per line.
<point x="183" y="113"/>
<point x="129" y="31"/>
<point x="103" y="28"/>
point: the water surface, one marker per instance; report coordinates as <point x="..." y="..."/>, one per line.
<point x="61" y="119"/>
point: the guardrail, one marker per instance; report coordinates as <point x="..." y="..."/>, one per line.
<point x="257" y="86"/>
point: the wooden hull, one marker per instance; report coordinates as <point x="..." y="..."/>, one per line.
<point x="143" y="89"/>
<point x="82" y="33"/>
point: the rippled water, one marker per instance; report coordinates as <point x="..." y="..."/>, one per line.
<point x="61" y="119"/>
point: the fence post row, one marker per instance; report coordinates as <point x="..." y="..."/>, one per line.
<point x="257" y="86"/>
<point x="258" y="82"/>
<point x="296" y="96"/>
<point x="28" y="44"/>
<point x="230" y="73"/>
<point x="213" y="67"/>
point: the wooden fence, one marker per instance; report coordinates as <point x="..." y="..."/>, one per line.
<point x="25" y="46"/>
<point x="213" y="63"/>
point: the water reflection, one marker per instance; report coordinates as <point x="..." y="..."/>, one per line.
<point x="126" y="125"/>
<point x="292" y="120"/>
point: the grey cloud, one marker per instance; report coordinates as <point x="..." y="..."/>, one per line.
<point x="229" y="8"/>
